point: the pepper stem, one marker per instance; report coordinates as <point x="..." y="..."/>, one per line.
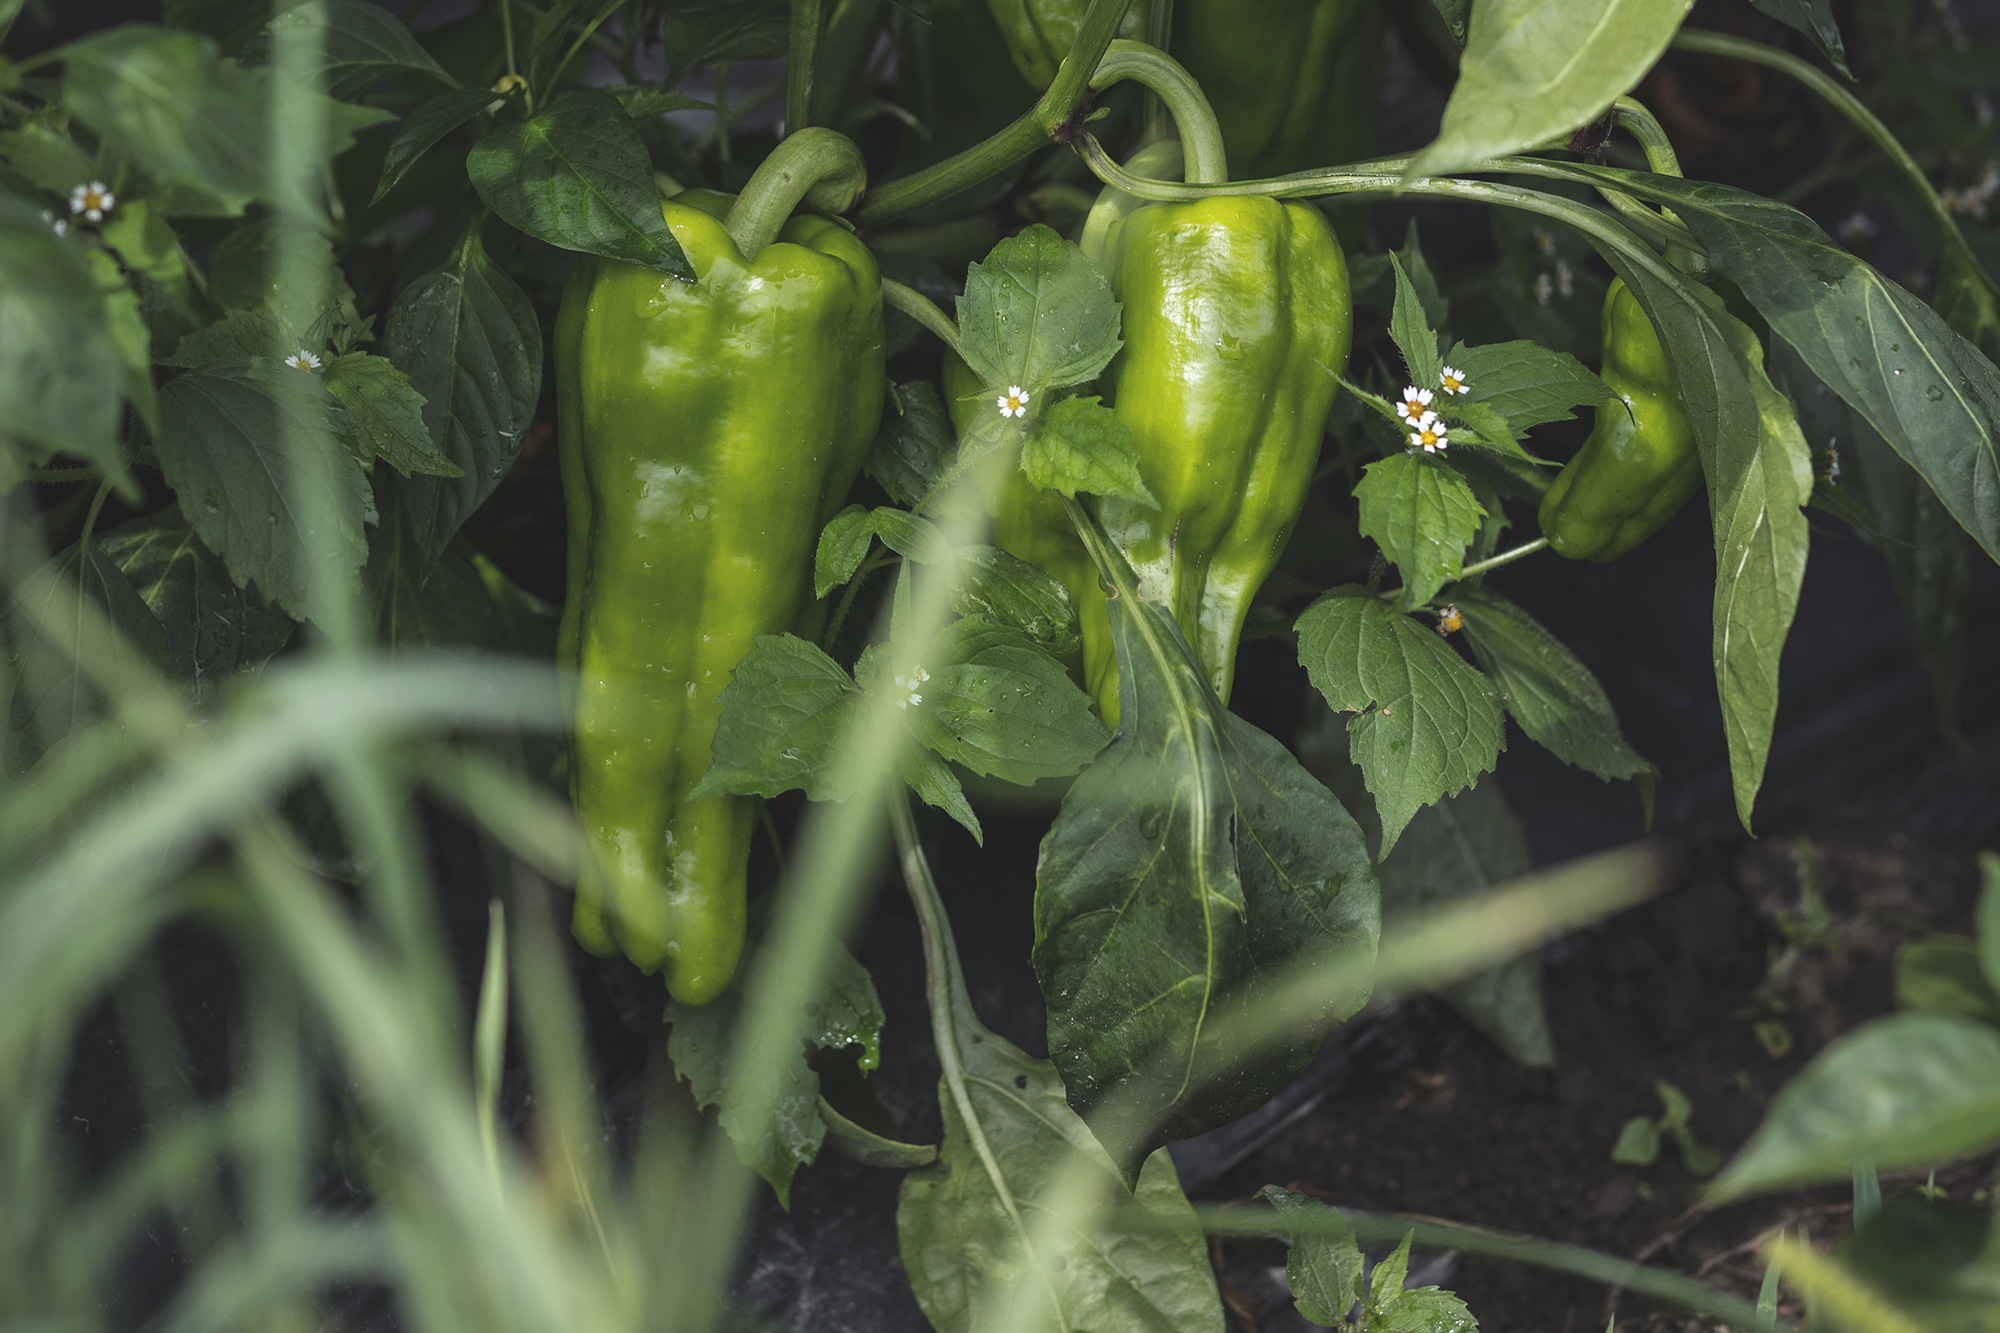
<point x="1643" y="126"/>
<point x="814" y="164"/>
<point x="1201" y="137"/>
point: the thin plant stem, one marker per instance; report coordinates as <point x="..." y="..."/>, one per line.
<point x="1194" y="120"/>
<point x="920" y="308"/>
<point x="1493" y="562"/>
<point x="800" y="49"/>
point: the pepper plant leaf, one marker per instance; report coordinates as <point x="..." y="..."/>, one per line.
<point x="1426" y="724"/>
<point x="362" y="45"/>
<point x="1079" y="446"/>
<point x="1534" y="70"/>
<point x="423" y="128"/>
<point x="1037" y="314"/>
<point x="467" y="337"/>
<point x="1193" y="860"/>
<point x="576" y="175"/>
<point x="1006" y="590"/>
<point x="1423" y="516"/>
<point x="1551" y="694"/>
<point x="843" y="545"/>
<point x="1526" y="383"/>
<point x="1815" y="19"/>
<point x="784" y="712"/>
<point x="384" y="415"/>
<point x="1011" y="1147"/>
<point x="913" y="445"/>
<point x="1002" y="707"/>
<point x="1323" y="1268"/>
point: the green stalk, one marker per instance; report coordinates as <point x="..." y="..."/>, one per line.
<point x="1201" y="137"/>
<point x="1051" y="118"/>
<point x="1493" y="562"/>
<point x="800" y="48"/>
<point x="817" y="165"/>
<point x="919" y="307"/>
<point x="1950" y="238"/>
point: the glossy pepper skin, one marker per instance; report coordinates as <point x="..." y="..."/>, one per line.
<point x="1639" y="466"/>
<point x="1294" y="83"/>
<point x="708" y="431"/>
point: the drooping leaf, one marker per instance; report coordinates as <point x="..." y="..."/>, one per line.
<point x="1426" y="724"/>
<point x="1900" y="1091"/>
<point x="858" y="1143"/>
<point x="467" y="337"/>
<point x="49" y="159"/>
<point x="1815" y="19"/>
<point x="1002" y="707"/>
<point x="1037" y="314"/>
<point x="847" y="1013"/>
<point x="384" y="415"/>
<point x="1534" y="70"/>
<point x="363" y="45"/>
<point x="1552" y="695"/>
<point x="913" y="444"/>
<point x="1078" y="445"/>
<point x="576" y="174"/>
<point x="214" y="629"/>
<point x="748" y="30"/>
<point x="1423" y="515"/>
<point x="1193" y="860"/>
<point x="422" y="129"/>
<point x="261" y="478"/>
<point x="1011" y="1145"/>
<point x="147" y="244"/>
<point x="61" y="371"/>
<point x="784" y="711"/>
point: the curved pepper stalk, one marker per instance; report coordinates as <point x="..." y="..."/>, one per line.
<point x="708" y="430"/>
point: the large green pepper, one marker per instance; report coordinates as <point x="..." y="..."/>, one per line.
<point x="1639" y="465"/>
<point x="708" y="431"/>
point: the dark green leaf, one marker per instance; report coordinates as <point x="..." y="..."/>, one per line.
<point x="1008" y="591"/>
<point x="1897" y="1092"/>
<point x="1425" y="1310"/>
<point x="1526" y="383"/>
<point x="364" y="44"/>
<point x="732" y="30"/>
<point x="1078" y="445"/>
<point x="1426" y="724"/>
<point x="847" y="1013"/>
<point x="468" y="339"/>
<point x="783" y="714"/>
<point x="1815" y="19"/>
<point x="910" y="536"/>
<point x="932" y="780"/>
<point x="246" y="272"/>
<point x="60" y="368"/>
<point x="641" y="100"/>
<point x="384" y="416"/>
<point x="1036" y="314"/>
<point x="1457" y="14"/>
<point x="843" y="545"/>
<point x="1941" y="974"/>
<point x="237" y="335"/>
<point x="145" y="241"/>
<point x="423" y="127"/>
<point x="1436" y="309"/>
<point x="560" y="33"/>
<point x="913" y="444"/>
<point x="1323" y="1268"/>
<point x="445" y="605"/>
<point x="1012" y="1148"/>
<point x="1552" y="695"/>
<point x="1412" y="333"/>
<point x="860" y="1144"/>
<point x="214" y="629"/>
<point x="1193" y="859"/>
<point x="1422" y="515"/>
<point x="1000" y="706"/>
<point x="260" y="477"/>
<point x="576" y="175"/>
<point x="1638" y="1143"/>
<point x="50" y="160"/>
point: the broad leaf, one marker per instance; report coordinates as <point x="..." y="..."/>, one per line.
<point x="847" y="1013"/>
<point x="1526" y="383"/>
<point x="1426" y="724"/>
<point x="423" y="127"/>
<point x="576" y="175"/>
<point x="467" y="337"/>
<point x="238" y="334"/>
<point x="784" y="711"/>
<point x="1552" y="695"/>
<point x="1815" y="19"/>
<point x="1898" y="1092"/>
<point x="214" y="629"/>
<point x="384" y="415"/>
<point x="415" y="604"/>
<point x="1078" y="445"/>
<point x="1037" y="314"/>
<point x="1002" y="707"/>
<point x="1011" y="1148"/>
<point x="1423" y="515"/>
<point x="1005" y="590"/>
<point x="61" y="370"/>
<point x="1534" y="70"/>
<point x="1192" y="860"/>
<point x="363" y="44"/>
<point x="261" y="478"/>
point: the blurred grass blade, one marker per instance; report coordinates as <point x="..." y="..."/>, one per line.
<point x="490" y="1034"/>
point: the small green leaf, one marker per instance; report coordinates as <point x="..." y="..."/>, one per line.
<point x="933" y="781"/>
<point x="1526" y="383"/>
<point x="784" y="711"/>
<point x="422" y="129"/>
<point x="1002" y="707"/>
<point x="1037" y="314"/>
<point x="384" y="415"/>
<point x="907" y="535"/>
<point x="913" y="445"/>
<point x="1427" y="1310"/>
<point x="237" y="335"/>
<point x="1079" y="446"/>
<point x="1385" y="1284"/>
<point x="641" y="100"/>
<point x="1551" y="694"/>
<point x="1815" y="19"/>
<point x="1324" y="1267"/>
<point x="1412" y="334"/>
<point x="1423" y="515"/>
<point x="1426" y="724"/>
<point x="1005" y="590"/>
<point x="576" y="175"/>
<point x="1638" y="1143"/>
<point x="843" y="545"/>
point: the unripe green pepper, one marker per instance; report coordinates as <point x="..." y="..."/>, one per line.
<point x="708" y="430"/>
<point x="1639" y="465"/>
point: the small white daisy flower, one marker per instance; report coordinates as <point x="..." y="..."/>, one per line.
<point x="302" y="360"/>
<point x="92" y="200"/>
<point x="1014" y="402"/>
<point x="1429" y="434"/>
<point x="1545" y="287"/>
<point x="1415" y="405"/>
<point x="1453" y="380"/>
<point x="1544" y="242"/>
<point x="910" y="698"/>
<point x="60" y="226"/>
<point x="1565" y="283"/>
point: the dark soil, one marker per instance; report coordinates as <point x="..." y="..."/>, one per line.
<point x="1439" y="1122"/>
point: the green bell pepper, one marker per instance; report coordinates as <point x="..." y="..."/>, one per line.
<point x="708" y="430"/>
<point x="1639" y="465"/>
